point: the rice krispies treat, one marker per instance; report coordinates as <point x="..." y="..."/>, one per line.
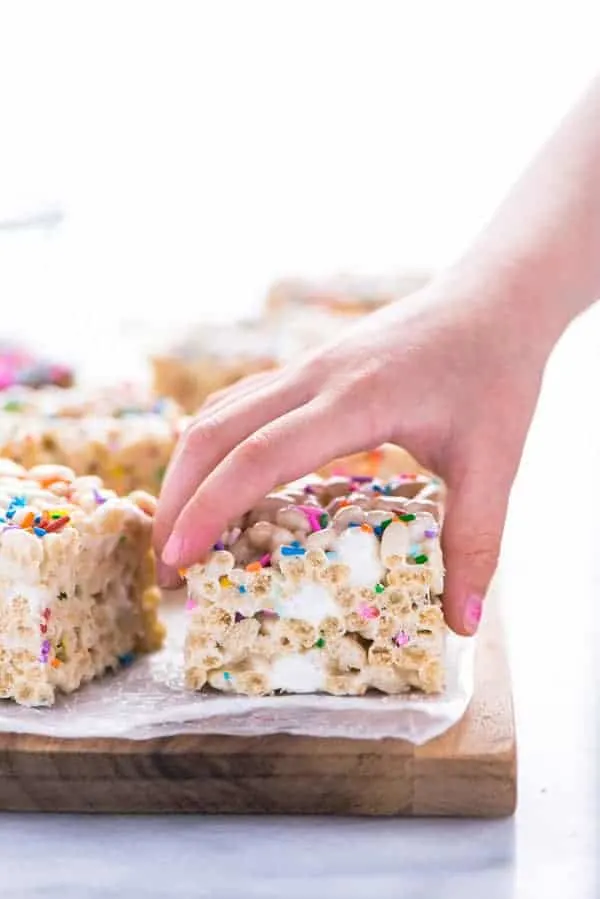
<point x="77" y="583"/>
<point x="341" y="296"/>
<point x="121" y="434"/>
<point x="212" y="357"/>
<point x="309" y="313"/>
<point x="329" y="585"/>
<point x="19" y="365"/>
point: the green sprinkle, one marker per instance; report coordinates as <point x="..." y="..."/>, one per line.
<point x="320" y="643"/>
<point x="323" y="519"/>
<point x="62" y="595"/>
<point x="379" y="588"/>
<point x="13" y="406"/>
<point x="420" y="560"/>
<point x="122" y="539"/>
<point x="408" y="517"/>
<point x="384" y="524"/>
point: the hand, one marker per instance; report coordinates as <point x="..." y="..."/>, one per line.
<point x="452" y="378"/>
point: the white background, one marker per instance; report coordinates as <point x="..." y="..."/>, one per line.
<point x="197" y="150"/>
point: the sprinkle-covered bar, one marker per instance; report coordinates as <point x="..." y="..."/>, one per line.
<point x="20" y="366"/>
<point x="77" y="584"/>
<point x="331" y="584"/>
<point x="122" y="435"/>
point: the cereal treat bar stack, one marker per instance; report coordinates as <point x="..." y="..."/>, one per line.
<point x="213" y="357"/>
<point x="77" y="586"/>
<point x="330" y="585"/>
<point x="120" y="434"/>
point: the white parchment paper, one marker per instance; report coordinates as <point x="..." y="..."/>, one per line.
<point x="148" y="699"/>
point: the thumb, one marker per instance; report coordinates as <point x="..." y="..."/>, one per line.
<point x="471" y="538"/>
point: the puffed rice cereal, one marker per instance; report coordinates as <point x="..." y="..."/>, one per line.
<point x="330" y="584"/>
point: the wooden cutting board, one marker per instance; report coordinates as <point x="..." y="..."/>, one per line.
<point x="468" y="771"/>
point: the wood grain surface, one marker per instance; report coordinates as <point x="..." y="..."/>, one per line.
<point x="468" y="771"/>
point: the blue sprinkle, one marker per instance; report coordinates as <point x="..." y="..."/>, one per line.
<point x="354" y="524"/>
<point x="376" y="488"/>
<point x="127" y="658"/>
<point x="295" y="543"/>
<point x="39" y="532"/>
<point x="10" y="514"/>
<point x="331" y="554"/>
<point x="292" y="550"/>
<point x="37" y="519"/>
<point x="378" y="530"/>
<point x="18" y="501"/>
<point x="159" y="406"/>
<point x="242" y="589"/>
<point x="415" y="549"/>
<point x="226" y="675"/>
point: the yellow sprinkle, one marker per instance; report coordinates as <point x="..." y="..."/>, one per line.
<point x="224" y="581"/>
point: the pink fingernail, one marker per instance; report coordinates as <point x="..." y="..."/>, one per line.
<point x="173" y="550"/>
<point x="472" y="613"/>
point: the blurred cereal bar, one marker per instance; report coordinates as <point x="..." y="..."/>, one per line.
<point x="120" y="434"/>
<point x="211" y="357"/>
<point x="20" y="366"/>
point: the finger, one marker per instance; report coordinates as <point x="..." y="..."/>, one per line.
<point x="209" y="439"/>
<point x="239" y="389"/>
<point x="219" y="401"/>
<point x="283" y="450"/>
<point x="471" y="538"/>
<point x="167" y="578"/>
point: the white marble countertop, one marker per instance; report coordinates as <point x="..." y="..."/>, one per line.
<point x="549" y="582"/>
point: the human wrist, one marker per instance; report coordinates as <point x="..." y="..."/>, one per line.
<point x="518" y="296"/>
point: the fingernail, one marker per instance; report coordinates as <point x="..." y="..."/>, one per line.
<point x="472" y="613"/>
<point x="172" y="551"/>
<point x="167" y="577"/>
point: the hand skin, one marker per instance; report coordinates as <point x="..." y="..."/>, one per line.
<point x="451" y="373"/>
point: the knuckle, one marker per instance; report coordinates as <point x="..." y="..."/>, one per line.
<point x="198" y="434"/>
<point x="254" y="450"/>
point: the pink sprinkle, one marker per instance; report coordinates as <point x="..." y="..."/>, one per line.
<point x="265" y="560"/>
<point x="190" y="604"/>
<point x="368" y="612"/>
<point x="401" y="639"/>
<point x="312" y="515"/>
